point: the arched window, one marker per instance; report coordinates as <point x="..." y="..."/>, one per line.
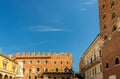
<point x="107" y="65"/>
<point x="30" y="70"/>
<point x="46" y="62"/>
<point x="5" y="77"/>
<point x="10" y="77"/>
<point x="29" y="77"/>
<point x="67" y="62"/>
<point x="114" y="28"/>
<point x="46" y="69"/>
<point x="66" y="69"/>
<point x="38" y="62"/>
<point x="113" y="15"/>
<point x="56" y="70"/>
<point x="5" y="63"/>
<point x="54" y="62"/>
<point x="104" y="16"/>
<point x="0" y="76"/>
<point x="105" y="37"/>
<point x="112" y="4"/>
<point x="103" y="6"/>
<point x="30" y="62"/>
<point x="37" y="69"/>
<point x="117" y="61"/>
<point x="35" y="77"/>
<point x="61" y="62"/>
<point x="104" y="27"/>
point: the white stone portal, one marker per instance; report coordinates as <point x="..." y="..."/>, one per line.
<point x="112" y="77"/>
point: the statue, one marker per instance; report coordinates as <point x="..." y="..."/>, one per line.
<point x="20" y="70"/>
<point x="20" y="67"/>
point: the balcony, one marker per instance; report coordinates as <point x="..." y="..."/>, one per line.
<point x="92" y="63"/>
<point x="98" y="75"/>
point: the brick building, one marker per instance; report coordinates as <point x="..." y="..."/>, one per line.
<point x="109" y="11"/>
<point x="36" y="64"/>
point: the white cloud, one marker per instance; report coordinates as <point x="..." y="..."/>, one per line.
<point x="83" y="9"/>
<point x="90" y="2"/>
<point x="43" y="28"/>
<point x="87" y="4"/>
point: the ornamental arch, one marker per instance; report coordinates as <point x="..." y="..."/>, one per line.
<point x="1" y="76"/>
<point x="6" y="77"/>
<point x="10" y="77"/>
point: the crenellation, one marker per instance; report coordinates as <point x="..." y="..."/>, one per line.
<point x="59" y="54"/>
<point x="22" y="54"/>
<point x="37" y="54"/>
<point x="48" y="54"/>
<point x="53" y="54"/>
<point x="65" y="54"/>
<point x="44" y="54"/>
<point x="33" y="54"/>
<point x="27" y="54"/>
<point x="69" y="54"/>
<point x="17" y="54"/>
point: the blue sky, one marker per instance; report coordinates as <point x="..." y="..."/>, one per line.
<point x="48" y="26"/>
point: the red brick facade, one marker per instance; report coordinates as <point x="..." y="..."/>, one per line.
<point x="109" y="11"/>
<point x="36" y="64"/>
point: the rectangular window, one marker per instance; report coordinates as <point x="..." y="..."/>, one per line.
<point x="23" y="70"/>
<point x="100" y="67"/>
<point x="30" y="70"/>
<point x="92" y="71"/>
<point x="38" y="62"/>
<point x="38" y="69"/>
<point x="29" y="77"/>
<point x="46" y="62"/>
<point x="89" y="72"/>
<point x="30" y="62"/>
<point x="95" y="70"/>
<point x="23" y="62"/>
<point x="100" y="53"/>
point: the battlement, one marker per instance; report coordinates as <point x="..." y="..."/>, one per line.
<point x="43" y="54"/>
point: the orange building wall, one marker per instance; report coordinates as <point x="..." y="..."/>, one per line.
<point x="66" y="60"/>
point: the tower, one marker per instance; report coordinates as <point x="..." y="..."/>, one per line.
<point x="109" y="12"/>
